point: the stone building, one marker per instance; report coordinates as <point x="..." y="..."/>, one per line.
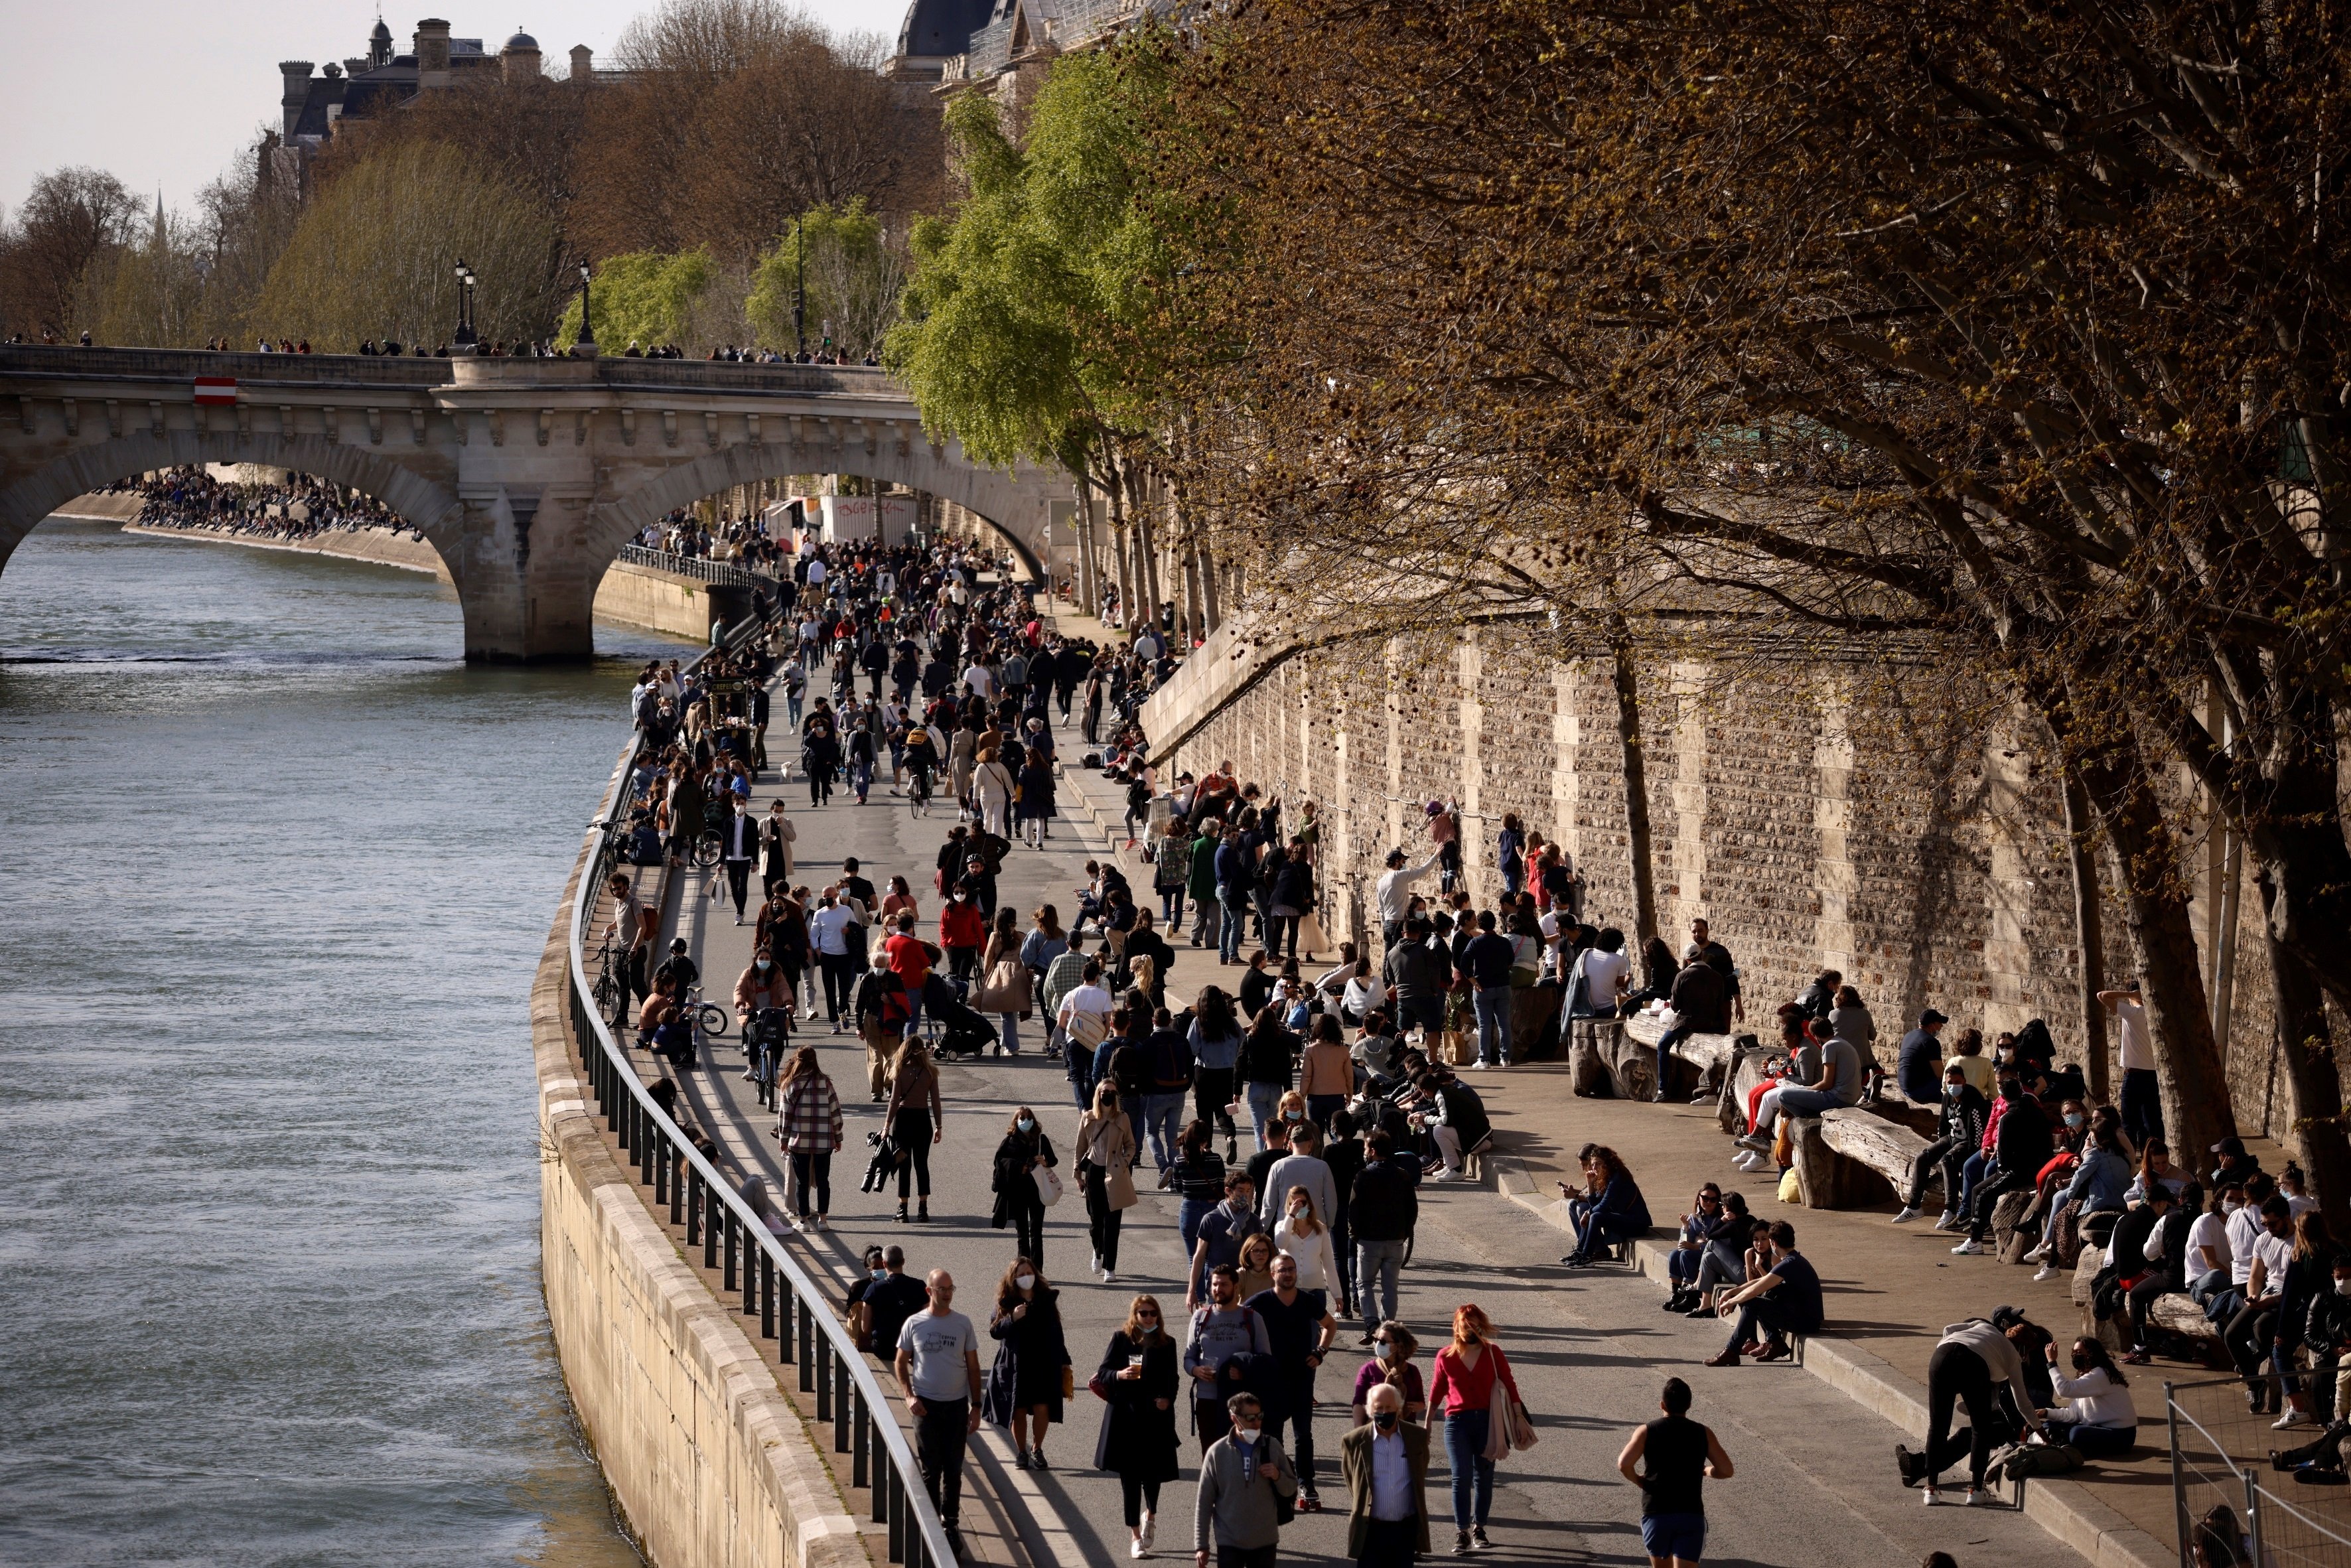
<point x="315" y="101"/>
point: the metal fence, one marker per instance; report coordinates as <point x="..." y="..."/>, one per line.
<point x="2220" y="1458"/>
<point x="725" y="573"/>
<point x="792" y="1310"/>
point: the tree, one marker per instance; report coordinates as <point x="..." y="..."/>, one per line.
<point x="854" y="269"/>
<point x="151" y="292"/>
<point x="373" y="254"/>
<point x="72" y="218"/>
<point x="645" y="298"/>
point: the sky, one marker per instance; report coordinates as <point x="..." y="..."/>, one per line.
<point x="166" y="93"/>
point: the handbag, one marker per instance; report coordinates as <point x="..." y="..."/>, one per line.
<point x="1069" y="1381"/>
<point x="1049" y="1185"/>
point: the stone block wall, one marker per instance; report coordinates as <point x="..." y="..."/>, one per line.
<point x="1900" y="825"/>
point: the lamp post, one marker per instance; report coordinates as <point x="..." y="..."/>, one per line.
<point x="464" y="342"/>
<point x="586" y="346"/>
<point x="799" y="288"/>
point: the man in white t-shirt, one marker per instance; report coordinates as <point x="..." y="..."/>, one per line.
<point x="2141" y="1104"/>
<point x="1084" y="1018"/>
<point x="976" y="677"/>
<point x="1608" y="978"/>
<point x="2208" y="1254"/>
<point x="938" y="1365"/>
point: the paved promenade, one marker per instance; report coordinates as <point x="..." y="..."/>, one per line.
<point x="1591" y="1348"/>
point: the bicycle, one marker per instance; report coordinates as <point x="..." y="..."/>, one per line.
<point x="710" y="1021"/>
<point x="918" y="793"/>
<point x="708" y="849"/>
<point x="611" y="993"/>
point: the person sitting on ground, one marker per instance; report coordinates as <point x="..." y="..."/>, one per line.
<point x="1698" y="1228"/>
<point x="1785" y="1301"/>
<point x="2096" y="1414"/>
<point x="1609" y="1211"/>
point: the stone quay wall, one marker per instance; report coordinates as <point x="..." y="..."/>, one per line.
<point x="1896" y="824"/>
<point x="709" y="1463"/>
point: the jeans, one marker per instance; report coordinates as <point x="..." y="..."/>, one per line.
<point x="1102" y="1223"/>
<point x="2142" y="1106"/>
<point x="1473" y="1472"/>
<point x="1493" y="1008"/>
<point x="1972" y="1171"/>
<point x="1029" y="1231"/>
<point x="1942" y="1152"/>
<point x="940" y="1439"/>
<point x="1188" y="1216"/>
<point x="1012" y="1034"/>
<point x="812" y="1170"/>
<point x="1297" y="1396"/>
<point x="2095" y="1442"/>
<point x="1808" y="1102"/>
<point x="1666" y="1043"/>
<point x="1593" y="1231"/>
<point x="1171" y="908"/>
<point x="1376" y="1266"/>
<point x="1162" y="1113"/>
<point x="1988" y="1194"/>
<point x="1264" y="1100"/>
<point x="739" y="882"/>
<point x="1766" y="1316"/>
<point x="1236" y="920"/>
<point x="911" y="1130"/>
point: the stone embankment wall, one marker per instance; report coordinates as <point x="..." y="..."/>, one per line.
<point x="629" y="595"/>
<point x="1893" y="823"/>
<point x="708" y="1461"/>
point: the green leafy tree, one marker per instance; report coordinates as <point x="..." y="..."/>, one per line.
<point x="854" y="270"/>
<point x="645" y="298"/>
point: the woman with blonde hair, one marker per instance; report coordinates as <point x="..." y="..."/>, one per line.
<point x="1464" y="1391"/>
<point x="916" y="1119"/>
<point x="1136" y="1383"/>
<point x="1106" y="1156"/>
<point x="1301" y="1233"/>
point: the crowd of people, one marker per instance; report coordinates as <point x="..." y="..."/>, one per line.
<point x="744" y="541"/>
<point x="295" y="506"/>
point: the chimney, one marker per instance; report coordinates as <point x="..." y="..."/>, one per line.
<point x="583" y="67"/>
<point x="297" y="74"/>
<point x="432" y="53"/>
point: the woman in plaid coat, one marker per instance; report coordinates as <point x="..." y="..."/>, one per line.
<point x="809" y="1127"/>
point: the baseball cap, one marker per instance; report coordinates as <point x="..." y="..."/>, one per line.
<point x="1929" y="1018"/>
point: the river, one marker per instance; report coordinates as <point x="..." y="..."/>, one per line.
<point x="283" y="868"/>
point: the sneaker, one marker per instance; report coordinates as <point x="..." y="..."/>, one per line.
<point x="1700" y="1313"/>
<point x="1447" y="1175"/>
<point x="1931" y="1493"/>
<point x="1478" y="1538"/>
<point x="1951" y="1220"/>
<point x="1480" y="1066"/>
<point x="1150" y="1532"/>
<point x="1971" y="1247"/>
<point x="1460" y="1544"/>
<point x="1037" y="1458"/>
<point x="1109" y="1278"/>
<point x="1136" y="1548"/>
<point x="1095" y="1267"/>
<point x="2290" y="1420"/>
<point x="1021" y="1459"/>
<point x="1973" y="1496"/>
<point x="1907" y="1463"/>
<point x="1754" y="1141"/>
<point x="2039" y="1254"/>
<point x="2047" y="1272"/>
<point x="1907" y="1216"/>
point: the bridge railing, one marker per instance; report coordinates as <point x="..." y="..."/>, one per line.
<point x="725" y="573"/>
<point x="735" y="1241"/>
<point x="406" y="371"/>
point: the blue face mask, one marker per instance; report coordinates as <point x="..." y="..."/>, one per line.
<point x="1027" y="1125"/>
<point x="1954" y="1090"/>
<point x="880" y="1275"/>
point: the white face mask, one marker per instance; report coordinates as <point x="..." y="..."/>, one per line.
<point x="2343" y="1287"/>
<point x="1026" y="1281"/>
<point x="2228" y="1208"/>
<point x="1245" y="1434"/>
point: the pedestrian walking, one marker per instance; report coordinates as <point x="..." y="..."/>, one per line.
<point x="1301" y="1329"/>
<point x="1106" y="1156"/>
<point x="739" y="851"/>
<point x="809" y="1127"/>
<point x="1020" y="1187"/>
<point x="1222" y="1332"/>
<point x="1391" y="1364"/>
<point x="1675" y="1457"/>
<point x="1137" y="1382"/>
<point x="1385" y="1464"/>
<point x="916" y="1119"/>
<point x="1464" y="1391"/>
<point x="938" y="1366"/>
<point x="1244" y="1478"/>
<point x="1031" y="1372"/>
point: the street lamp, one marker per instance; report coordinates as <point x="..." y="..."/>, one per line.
<point x="464" y="340"/>
<point x="799" y="288"/>
<point x="587" y="332"/>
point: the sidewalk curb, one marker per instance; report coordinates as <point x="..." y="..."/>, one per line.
<point x="2062" y="1508"/>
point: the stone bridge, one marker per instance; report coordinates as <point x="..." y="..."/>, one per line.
<point x="527" y="475"/>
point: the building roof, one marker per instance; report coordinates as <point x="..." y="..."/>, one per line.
<point x="936" y="28"/>
<point x="522" y="41"/>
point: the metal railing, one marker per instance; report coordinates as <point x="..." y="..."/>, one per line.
<point x="734" y="1240"/>
<point x="725" y="573"/>
<point x="2209" y="1426"/>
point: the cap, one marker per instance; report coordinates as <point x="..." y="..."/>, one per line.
<point x="2229" y="1146"/>
<point x="1931" y="1017"/>
<point x="2005" y="1318"/>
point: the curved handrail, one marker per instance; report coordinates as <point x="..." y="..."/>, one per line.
<point x="917" y="1535"/>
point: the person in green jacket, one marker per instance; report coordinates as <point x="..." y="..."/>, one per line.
<point x="1208" y="924"/>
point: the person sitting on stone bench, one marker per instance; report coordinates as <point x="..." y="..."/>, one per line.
<point x="1609" y="1211"/>
<point x="1839" y="1085"/>
<point x="2167" y="1249"/>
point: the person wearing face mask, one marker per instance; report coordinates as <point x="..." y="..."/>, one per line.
<point x="739" y="851"/>
<point x="2021" y="1147"/>
<point x="1032" y="1361"/>
<point x="1301" y="1166"/>
<point x="2165" y="1251"/>
<point x="1241" y="1476"/>
<point x="1384" y="1461"/>
<point x="1024" y="1152"/>
<point x="1959" y="1133"/>
<point x="1137" y="1382"/>
<point x="2095" y="1414"/>
<point x="1676" y="1457"/>
<point x="1463" y="1391"/>
<point x="886" y="1296"/>
<point x="1391" y="1363"/>
<point x="2208" y="1251"/>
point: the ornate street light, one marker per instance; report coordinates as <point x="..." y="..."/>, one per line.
<point x="587" y="332"/>
<point x="464" y="340"/>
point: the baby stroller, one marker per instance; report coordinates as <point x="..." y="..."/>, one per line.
<point x="767" y="1034"/>
<point x="962" y="1032"/>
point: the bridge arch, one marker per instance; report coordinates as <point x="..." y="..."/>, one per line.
<point x="432" y="507"/>
<point x="1013" y="506"/>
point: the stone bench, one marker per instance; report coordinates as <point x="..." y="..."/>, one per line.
<point x="1619" y="1057"/>
<point x="1853" y="1158"/>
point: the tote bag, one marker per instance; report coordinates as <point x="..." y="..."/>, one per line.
<point x="1049" y="1185"/>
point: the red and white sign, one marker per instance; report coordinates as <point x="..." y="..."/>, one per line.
<point x="216" y="390"/>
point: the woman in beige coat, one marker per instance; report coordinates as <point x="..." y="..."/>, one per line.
<point x="1106" y="1153"/>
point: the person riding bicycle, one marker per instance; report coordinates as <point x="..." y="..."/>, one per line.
<point x="922" y="760"/>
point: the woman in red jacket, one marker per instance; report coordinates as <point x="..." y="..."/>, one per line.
<point x="1462" y="1391"/>
<point x="962" y="929"/>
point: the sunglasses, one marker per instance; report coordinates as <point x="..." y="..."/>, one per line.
<point x="1146" y="1317"/>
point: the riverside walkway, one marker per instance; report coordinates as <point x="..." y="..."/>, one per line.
<point x="1591" y="1350"/>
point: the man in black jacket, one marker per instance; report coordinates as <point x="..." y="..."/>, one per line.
<point x="2163" y="1247"/>
<point x="2019" y="1149"/>
<point x="1959" y="1133"/>
<point x="1382" y="1210"/>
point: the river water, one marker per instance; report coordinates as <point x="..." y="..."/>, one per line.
<point x="281" y="869"/>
